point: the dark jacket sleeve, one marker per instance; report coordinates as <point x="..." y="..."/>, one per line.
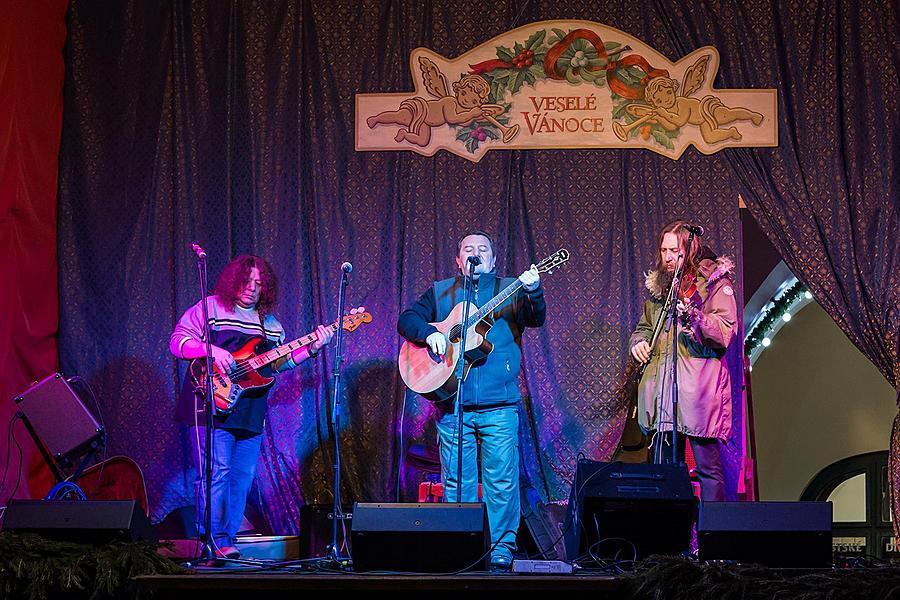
<point x="533" y="308"/>
<point x="644" y="330"/>
<point x="414" y="323"/>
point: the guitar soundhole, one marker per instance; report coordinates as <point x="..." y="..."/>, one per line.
<point x="455" y="334"/>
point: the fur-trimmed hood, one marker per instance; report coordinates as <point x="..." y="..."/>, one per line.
<point x="711" y="270"/>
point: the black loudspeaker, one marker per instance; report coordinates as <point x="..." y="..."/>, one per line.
<point x="316" y="529"/>
<point x="58" y="417"/>
<point x="85" y="521"/>
<point x="420" y="538"/>
<point x="776" y="534"/>
<point x="619" y="508"/>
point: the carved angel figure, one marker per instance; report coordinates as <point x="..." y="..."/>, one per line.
<point x="672" y="110"/>
<point x="419" y="115"/>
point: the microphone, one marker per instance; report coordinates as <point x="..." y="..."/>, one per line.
<point x="695" y="229"/>
<point x="198" y="250"/>
<point x="347" y="267"/>
<point x="475" y="260"/>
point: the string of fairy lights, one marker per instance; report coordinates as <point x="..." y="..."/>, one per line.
<point x="774" y="315"/>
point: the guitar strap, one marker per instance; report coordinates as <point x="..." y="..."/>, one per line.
<point x="496" y="291"/>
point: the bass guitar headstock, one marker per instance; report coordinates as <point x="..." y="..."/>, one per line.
<point x="357" y="317"/>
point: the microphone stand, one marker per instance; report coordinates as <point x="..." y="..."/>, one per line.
<point x="671" y="310"/>
<point x="662" y="324"/>
<point x="337" y="509"/>
<point x="207" y="553"/>
<point x="460" y="369"/>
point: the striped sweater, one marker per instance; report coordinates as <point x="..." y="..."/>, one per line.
<point x="230" y="329"/>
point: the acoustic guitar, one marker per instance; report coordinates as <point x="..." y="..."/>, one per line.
<point x="433" y="376"/>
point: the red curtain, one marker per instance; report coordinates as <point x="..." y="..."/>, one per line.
<point x="32" y="36"/>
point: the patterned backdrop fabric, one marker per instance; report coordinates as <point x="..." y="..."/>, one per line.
<point x="232" y="123"/>
<point x="829" y="197"/>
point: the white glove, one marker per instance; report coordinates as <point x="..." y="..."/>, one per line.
<point x="437" y="342"/>
<point x="530" y="279"/>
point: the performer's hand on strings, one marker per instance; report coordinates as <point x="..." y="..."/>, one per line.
<point x="222" y="359"/>
<point x="437" y="342"/>
<point x="530" y="279"/>
<point x="641" y="351"/>
<point x="323" y="336"/>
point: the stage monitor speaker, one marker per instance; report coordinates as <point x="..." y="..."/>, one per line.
<point x="82" y="521"/>
<point x="58" y="417"/>
<point x="616" y="509"/>
<point x="776" y="534"/>
<point x="419" y="538"/>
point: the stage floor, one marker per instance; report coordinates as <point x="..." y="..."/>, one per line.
<point x="232" y="584"/>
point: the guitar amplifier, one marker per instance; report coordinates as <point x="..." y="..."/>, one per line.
<point x="59" y="418"/>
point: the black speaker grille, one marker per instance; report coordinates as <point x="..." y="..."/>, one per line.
<point x="420" y="538"/>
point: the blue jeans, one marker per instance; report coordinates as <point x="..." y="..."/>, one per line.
<point x="498" y="431"/>
<point x="235" y="454"/>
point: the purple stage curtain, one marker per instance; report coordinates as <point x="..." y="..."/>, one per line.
<point x="232" y="123"/>
<point x="827" y="197"/>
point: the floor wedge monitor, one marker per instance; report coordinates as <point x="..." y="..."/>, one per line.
<point x="421" y="538"/>
<point x="776" y="534"/>
<point x="623" y="510"/>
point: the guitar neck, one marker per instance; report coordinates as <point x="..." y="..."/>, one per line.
<point x="274" y="354"/>
<point x="494" y="302"/>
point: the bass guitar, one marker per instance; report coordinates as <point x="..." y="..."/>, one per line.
<point x="433" y="376"/>
<point x="244" y="379"/>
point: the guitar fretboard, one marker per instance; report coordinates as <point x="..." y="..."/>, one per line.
<point x="274" y="354"/>
<point x="494" y="303"/>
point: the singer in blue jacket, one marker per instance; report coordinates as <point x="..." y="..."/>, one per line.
<point x="491" y="391"/>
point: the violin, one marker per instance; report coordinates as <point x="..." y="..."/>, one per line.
<point x="688" y="288"/>
<point x="688" y="295"/>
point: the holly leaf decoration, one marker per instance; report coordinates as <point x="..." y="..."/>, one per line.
<point x="535" y="40"/>
<point x="504" y="53"/>
<point x="663" y="140"/>
<point x="620" y="109"/>
<point x="516" y="81"/>
<point x="500" y="83"/>
<point x="497" y="91"/>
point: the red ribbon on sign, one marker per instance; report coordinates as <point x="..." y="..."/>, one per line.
<point x="615" y="84"/>
<point x="489" y="65"/>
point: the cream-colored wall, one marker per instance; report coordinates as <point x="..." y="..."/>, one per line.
<point x="817" y="399"/>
